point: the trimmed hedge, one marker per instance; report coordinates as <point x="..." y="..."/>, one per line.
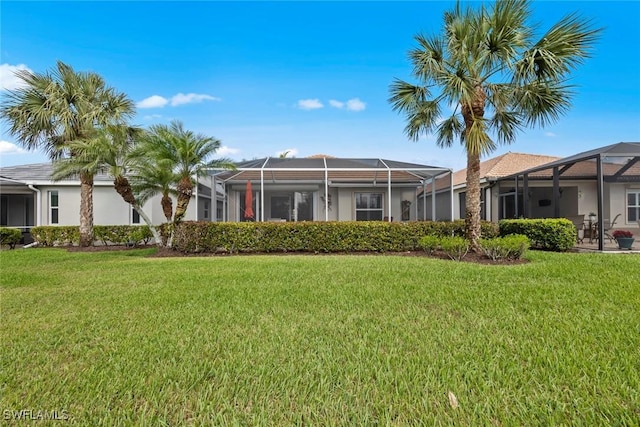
<point x="10" y="236"/>
<point x="106" y="234"/>
<point x="554" y="234"/>
<point x="512" y="246"/>
<point x="356" y="236"/>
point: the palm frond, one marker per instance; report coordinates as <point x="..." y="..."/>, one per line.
<point x="449" y="131"/>
<point x="542" y="103"/>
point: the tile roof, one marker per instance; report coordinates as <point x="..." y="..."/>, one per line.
<point x="504" y="165"/>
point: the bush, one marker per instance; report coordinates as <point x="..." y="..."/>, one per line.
<point x="430" y="243"/>
<point x="554" y="234"/>
<point x="10" y="236"/>
<point x="55" y="235"/>
<point x="355" y="236"/>
<point x="106" y="234"/>
<point x="454" y="246"/>
<point x="122" y="234"/>
<point x="512" y="246"/>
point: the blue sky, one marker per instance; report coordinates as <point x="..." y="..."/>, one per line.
<point x="304" y="77"/>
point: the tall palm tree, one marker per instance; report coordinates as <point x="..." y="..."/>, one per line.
<point x="57" y="107"/>
<point x="487" y="66"/>
<point x="187" y="155"/>
<point x="109" y="148"/>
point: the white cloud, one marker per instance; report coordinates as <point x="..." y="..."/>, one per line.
<point x="310" y="104"/>
<point x="191" y="98"/>
<point x="7" y="147"/>
<point x="8" y="79"/>
<point x="353" y="104"/>
<point x="291" y="152"/>
<point x="356" y="105"/>
<point x="155" y="101"/>
<point x="227" y="151"/>
<point x="550" y="134"/>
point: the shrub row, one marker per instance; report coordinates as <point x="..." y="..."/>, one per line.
<point x="360" y="236"/>
<point x="554" y="234"/>
<point x="106" y="234"/>
<point x="509" y="247"/>
<point x="10" y="236"/>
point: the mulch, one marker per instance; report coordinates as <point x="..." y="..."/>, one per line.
<point x="171" y="253"/>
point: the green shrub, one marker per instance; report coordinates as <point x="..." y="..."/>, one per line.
<point x="53" y="235"/>
<point x="355" y="236"/>
<point x="430" y="243"/>
<point x="56" y="235"/>
<point x="454" y="246"/>
<point x="555" y="234"/>
<point x="122" y="234"/>
<point x="10" y="236"/>
<point x="512" y="246"/>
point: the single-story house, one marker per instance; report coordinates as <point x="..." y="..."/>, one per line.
<point x="318" y="188"/>
<point x="29" y="197"/>
<point x="604" y="181"/>
<point x="325" y="188"/>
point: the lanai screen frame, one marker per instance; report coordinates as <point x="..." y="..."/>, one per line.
<point x="629" y="150"/>
<point x="423" y="174"/>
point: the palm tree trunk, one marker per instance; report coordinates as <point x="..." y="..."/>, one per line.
<point x="472" y="217"/>
<point x="86" y="209"/>
<point x="472" y="112"/>
<point x="185" y="190"/>
<point x="167" y="206"/>
<point x="123" y="187"/>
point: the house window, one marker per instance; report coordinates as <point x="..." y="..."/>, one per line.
<point x="135" y="216"/>
<point x="463" y="204"/>
<point x="633" y="205"/>
<point x="369" y="206"/>
<point x="205" y="209"/>
<point x="54" y="214"/>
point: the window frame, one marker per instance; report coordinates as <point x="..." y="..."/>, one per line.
<point x="369" y="209"/>
<point x="629" y="207"/>
<point x="54" y="208"/>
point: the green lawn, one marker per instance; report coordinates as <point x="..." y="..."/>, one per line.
<point x="118" y="337"/>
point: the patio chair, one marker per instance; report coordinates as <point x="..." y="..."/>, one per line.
<point x="578" y="222"/>
<point x="608" y="227"/>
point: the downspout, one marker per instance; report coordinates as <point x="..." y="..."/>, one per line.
<point x="38" y="204"/>
<point x="326" y="190"/>
<point x="196" y="196"/>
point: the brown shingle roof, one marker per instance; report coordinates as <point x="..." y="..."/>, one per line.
<point x="504" y="165"/>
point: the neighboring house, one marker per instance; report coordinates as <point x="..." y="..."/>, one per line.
<point x="28" y="197"/>
<point x="324" y="188"/>
<point x="604" y="181"/>
<point x="491" y="171"/>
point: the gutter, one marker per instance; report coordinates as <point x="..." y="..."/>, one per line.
<point x="38" y="204"/>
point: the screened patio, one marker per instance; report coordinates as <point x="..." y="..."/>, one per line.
<point x="322" y="188"/>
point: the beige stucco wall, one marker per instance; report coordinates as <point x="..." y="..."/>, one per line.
<point x="108" y="207"/>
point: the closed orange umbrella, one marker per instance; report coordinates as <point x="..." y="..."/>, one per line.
<point x="248" y="202"/>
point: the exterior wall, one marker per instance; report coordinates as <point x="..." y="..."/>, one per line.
<point x="108" y="207"/>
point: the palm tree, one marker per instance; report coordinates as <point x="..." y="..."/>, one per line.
<point x="109" y="148"/>
<point x="149" y="178"/>
<point x="498" y="80"/>
<point x="187" y="155"/>
<point x="57" y="107"/>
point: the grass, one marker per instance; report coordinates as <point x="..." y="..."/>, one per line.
<point x="118" y="338"/>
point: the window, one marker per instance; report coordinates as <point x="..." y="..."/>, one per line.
<point x="205" y="209"/>
<point x="54" y="215"/>
<point x="633" y="205"/>
<point x="368" y="206"/>
<point x="135" y="216"/>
